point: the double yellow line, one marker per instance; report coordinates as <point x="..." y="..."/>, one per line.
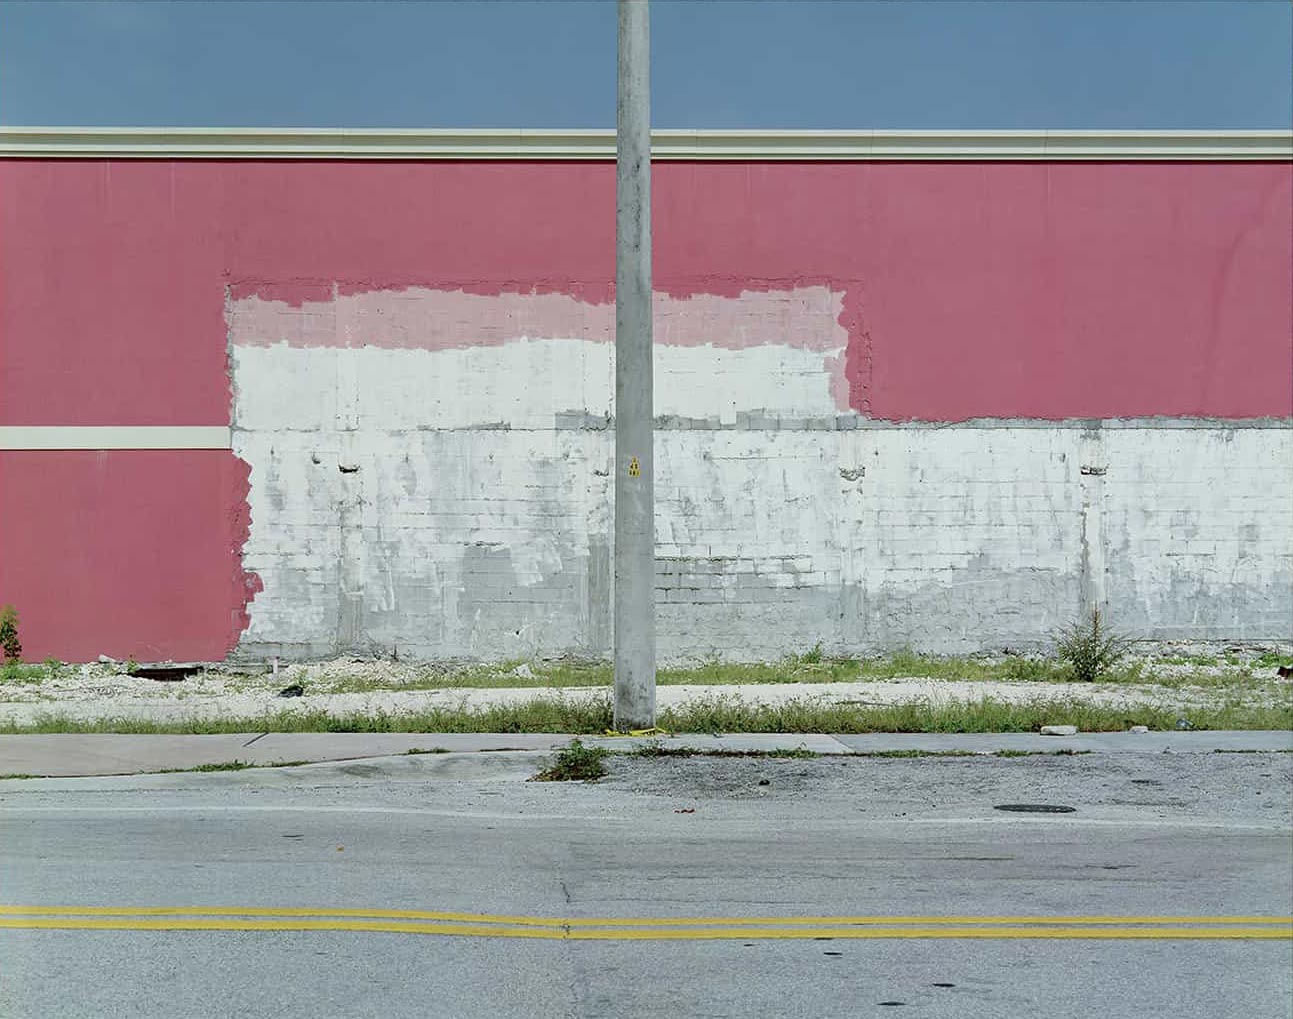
<point x="494" y="925"/>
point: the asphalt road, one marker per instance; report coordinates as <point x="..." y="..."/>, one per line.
<point x="909" y="851"/>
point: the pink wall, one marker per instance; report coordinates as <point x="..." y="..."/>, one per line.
<point x="125" y="553"/>
<point x="973" y="290"/>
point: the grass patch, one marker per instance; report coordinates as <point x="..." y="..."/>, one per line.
<point x="575" y="763"/>
<point x="19" y="774"/>
<point x="556" y="675"/>
<point x="660" y="750"/>
<point x="985" y="715"/>
<point x="21" y="673"/>
<point x="591" y="716"/>
<point x="432" y="750"/>
<point x="715" y="714"/>
<point x="811" y="667"/>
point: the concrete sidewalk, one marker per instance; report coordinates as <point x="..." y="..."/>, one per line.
<point x="72" y="755"/>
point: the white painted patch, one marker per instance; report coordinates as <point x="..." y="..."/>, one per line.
<point x="524" y="384"/>
<point x="448" y="495"/>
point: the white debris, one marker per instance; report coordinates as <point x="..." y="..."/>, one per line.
<point x="1059" y="730"/>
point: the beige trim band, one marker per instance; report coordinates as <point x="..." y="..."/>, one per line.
<point x="49" y="437"/>
<point x="336" y="143"/>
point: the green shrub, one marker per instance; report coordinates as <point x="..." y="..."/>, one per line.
<point x="576" y="763"/>
<point x="9" y="642"/>
<point x="1090" y="648"/>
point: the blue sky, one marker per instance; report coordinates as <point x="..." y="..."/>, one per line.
<point x="912" y="64"/>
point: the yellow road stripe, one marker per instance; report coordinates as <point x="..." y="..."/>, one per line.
<point x="652" y="934"/>
<point x="697" y="921"/>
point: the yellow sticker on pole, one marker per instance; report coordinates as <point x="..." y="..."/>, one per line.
<point x="635" y="468"/>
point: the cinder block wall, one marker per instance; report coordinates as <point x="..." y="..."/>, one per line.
<point x="943" y="406"/>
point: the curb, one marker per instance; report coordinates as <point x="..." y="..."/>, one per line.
<point x="76" y="755"/>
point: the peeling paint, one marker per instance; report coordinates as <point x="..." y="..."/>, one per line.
<point x="429" y="319"/>
<point x="246" y="584"/>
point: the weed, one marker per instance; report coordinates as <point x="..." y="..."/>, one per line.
<point x="418" y="750"/>
<point x="222" y="766"/>
<point x="231" y="766"/>
<point x="1091" y="649"/>
<point x="813" y="656"/>
<point x="660" y="750"/>
<point x="575" y="763"/>
<point x="19" y="774"/>
<point x="10" y="645"/>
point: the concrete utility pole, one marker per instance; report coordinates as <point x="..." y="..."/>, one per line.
<point x="634" y="437"/>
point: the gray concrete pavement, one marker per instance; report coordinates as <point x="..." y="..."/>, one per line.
<point x="1152" y="835"/>
<point x="108" y="754"/>
<point x="111" y="754"/>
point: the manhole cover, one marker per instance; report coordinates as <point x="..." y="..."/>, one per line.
<point x="1035" y="808"/>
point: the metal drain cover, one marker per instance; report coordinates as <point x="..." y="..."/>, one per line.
<point x="1035" y="808"/>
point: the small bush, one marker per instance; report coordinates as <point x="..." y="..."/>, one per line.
<point x="576" y="763"/>
<point x="814" y="655"/>
<point x="1090" y="648"/>
<point x="9" y="642"/>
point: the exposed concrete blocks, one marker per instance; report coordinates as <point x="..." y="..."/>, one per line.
<point x="494" y="544"/>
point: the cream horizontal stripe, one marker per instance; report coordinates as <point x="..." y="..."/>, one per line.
<point x="29" y="437"/>
<point x="326" y="143"/>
